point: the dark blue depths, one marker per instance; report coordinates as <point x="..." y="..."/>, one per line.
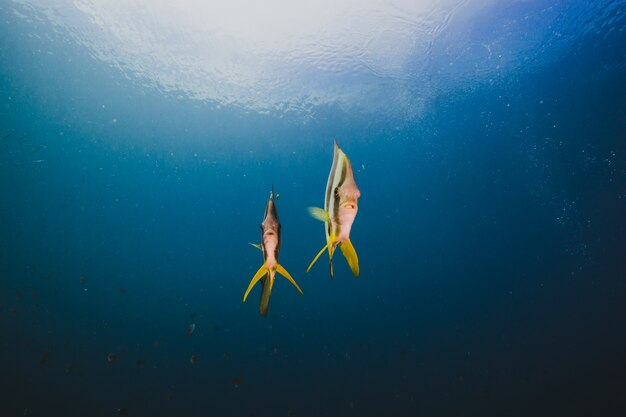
<point x="491" y="236"/>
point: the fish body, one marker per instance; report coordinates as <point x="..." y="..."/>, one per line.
<point x="270" y="246"/>
<point x="340" y="209"/>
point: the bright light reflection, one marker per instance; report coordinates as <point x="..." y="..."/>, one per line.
<point x="276" y="55"/>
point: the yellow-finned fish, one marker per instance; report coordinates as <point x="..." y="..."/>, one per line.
<point x="270" y="245"/>
<point x="340" y="208"/>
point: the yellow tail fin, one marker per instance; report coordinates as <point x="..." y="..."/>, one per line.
<point x="350" y="254"/>
<point x="331" y="250"/>
<point x="266" y="276"/>
<point x="282" y="271"/>
<point x="316" y="257"/>
<point x="266" y="293"/>
<point x="259" y="274"/>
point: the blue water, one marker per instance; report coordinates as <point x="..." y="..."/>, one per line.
<point x="491" y="231"/>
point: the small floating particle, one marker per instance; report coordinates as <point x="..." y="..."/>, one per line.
<point x="140" y="362"/>
<point x="157" y="343"/>
<point x="190" y="329"/>
<point x="122" y="411"/>
<point x="112" y="357"/>
<point x="121" y="290"/>
<point x="82" y="280"/>
<point x="236" y="382"/>
<point x="194" y="359"/>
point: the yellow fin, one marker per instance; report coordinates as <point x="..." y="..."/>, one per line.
<point x="350" y="254"/>
<point x="266" y="293"/>
<point x="317" y="257"/>
<point x="259" y="274"/>
<point x="331" y="253"/>
<point x="256" y="245"/>
<point x="319" y="214"/>
<point x="282" y="271"/>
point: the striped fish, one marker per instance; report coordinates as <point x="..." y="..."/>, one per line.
<point x="270" y="246"/>
<point x="340" y="208"/>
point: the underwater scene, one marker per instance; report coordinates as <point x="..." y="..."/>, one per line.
<point x="328" y="208"/>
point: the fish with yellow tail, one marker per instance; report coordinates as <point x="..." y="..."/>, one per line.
<point x="339" y="212"/>
<point x="270" y="246"/>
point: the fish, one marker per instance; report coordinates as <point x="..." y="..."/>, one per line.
<point x="270" y="246"/>
<point x="340" y="209"/>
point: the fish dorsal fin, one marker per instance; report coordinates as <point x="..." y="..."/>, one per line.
<point x="316" y="257"/>
<point x="282" y="271"/>
<point x="350" y="254"/>
<point x="256" y="245"/>
<point x="319" y="214"/>
<point x="259" y="274"/>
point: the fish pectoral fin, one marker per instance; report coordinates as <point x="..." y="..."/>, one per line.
<point x="350" y="254"/>
<point x="282" y="271"/>
<point x="319" y="214"/>
<point x="259" y="274"/>
<point x="256" y="245"/>
<point x="317" y="257"/>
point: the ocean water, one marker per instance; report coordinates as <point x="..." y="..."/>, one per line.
<point x="139" y="142"/>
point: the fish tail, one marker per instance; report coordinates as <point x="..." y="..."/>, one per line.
<point x="317" y="257"/>
<point x="350" y="254"/>
<point x="331" y="253"/>
<point x="266" y="293"/>
<point x="259" y="274"/>
<point x="282" y="271"/>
